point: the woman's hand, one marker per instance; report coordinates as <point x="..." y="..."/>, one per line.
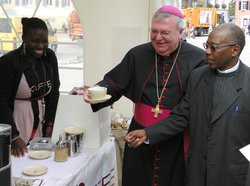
<point x="79" y="90"/>
<point x="18" y="147"/>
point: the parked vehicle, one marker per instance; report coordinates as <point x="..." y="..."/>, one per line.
<point x="11" y="31"/>
<point x="52" y="36"/>
<point x="201" y="19"/>
<point x="8" y="35"/>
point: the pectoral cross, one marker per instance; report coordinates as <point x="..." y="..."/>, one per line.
<point x="156" y="110"/>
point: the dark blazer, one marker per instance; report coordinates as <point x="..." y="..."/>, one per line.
<point x="214" y="158"/>
<point x="12" y="66"/>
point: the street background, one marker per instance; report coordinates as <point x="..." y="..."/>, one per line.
<point x="71" y="62"/>
<point x="245" y="55"/>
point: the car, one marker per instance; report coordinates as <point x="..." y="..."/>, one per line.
<point x="11" y="31"/>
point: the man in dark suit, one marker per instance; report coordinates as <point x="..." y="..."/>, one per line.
<point x="216" y="109"/>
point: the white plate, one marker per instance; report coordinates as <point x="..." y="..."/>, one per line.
<point x="94" y="101"/>
<point x="40" y="154"/>
<point x="35" y="170"/>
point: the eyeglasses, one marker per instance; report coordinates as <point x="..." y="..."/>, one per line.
<point x="163" y="33"/>
<point x="215" y="48"/>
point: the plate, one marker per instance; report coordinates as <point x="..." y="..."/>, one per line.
<point x="40" y="154"/>
<point x="35" y="170"/>
<point x="94" y="101"/>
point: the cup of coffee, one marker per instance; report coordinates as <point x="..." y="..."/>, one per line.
<point x="97" y="92"/>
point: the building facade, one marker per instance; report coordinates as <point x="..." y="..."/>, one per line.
<point x="220" y="4"/>
<point x="242" y="13"/>
<point x="56" y="11"/>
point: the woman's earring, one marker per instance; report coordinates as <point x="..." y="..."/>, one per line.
<point x="24" y="49"/>
<point x="45" y="54"/>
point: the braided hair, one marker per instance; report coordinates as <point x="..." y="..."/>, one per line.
<point x="32" y="23"/>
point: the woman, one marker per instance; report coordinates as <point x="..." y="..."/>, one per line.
<point x="29" y="88"/>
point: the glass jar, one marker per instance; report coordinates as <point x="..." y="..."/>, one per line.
<point x="61" y="152"/>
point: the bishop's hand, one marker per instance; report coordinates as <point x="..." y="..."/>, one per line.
<point x="135" y="138"/>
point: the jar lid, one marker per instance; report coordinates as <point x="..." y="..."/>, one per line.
<point x="60" y="143"/>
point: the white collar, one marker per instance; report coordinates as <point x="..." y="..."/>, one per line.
<point x="234" y="68"/>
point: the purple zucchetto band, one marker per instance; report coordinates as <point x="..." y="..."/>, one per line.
<point x="172" y="10"/>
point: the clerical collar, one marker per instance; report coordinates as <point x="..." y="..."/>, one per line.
<point x="234" y="68"/>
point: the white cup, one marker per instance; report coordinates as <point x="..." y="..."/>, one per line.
<point x="97" y="92"/>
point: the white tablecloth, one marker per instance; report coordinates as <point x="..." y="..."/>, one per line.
<point x="92" y="167"/>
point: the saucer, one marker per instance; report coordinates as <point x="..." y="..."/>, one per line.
<point x="35" y="170"/>
<point x="40" y="154"/>
<point x="94" y="101"/>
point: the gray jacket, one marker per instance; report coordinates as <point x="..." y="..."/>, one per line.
<point x="214" y="158"/>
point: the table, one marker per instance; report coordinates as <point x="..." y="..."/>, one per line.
<point x="119" y="135"/>
<point x="92" y="167"/>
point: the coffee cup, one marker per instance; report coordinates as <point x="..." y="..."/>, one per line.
<point x="97" y="92"/>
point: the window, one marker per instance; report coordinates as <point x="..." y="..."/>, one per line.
<point x="65" y="3"/>
<point x="243" y="5"/>
<point x="45" y="2"/>
<point x="245" y="22"/>
<point x="27" y="2"/>
<point x="5" y="1"/>
<point x="50" y="2"/>
<point x="18" y="2"/>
